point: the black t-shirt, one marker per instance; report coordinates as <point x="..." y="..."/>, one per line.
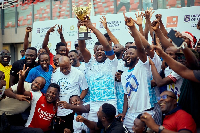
<point x="17" y="66"/>
<point x="115" y="127"/>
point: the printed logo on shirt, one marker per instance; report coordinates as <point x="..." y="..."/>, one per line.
<point x="42" y="105"/>
<point x="132" y="84"/>
<point x="45" y="115"/>
<point x="63" y="83"/>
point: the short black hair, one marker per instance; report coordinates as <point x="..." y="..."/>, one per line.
<point x="21" y="50"/>
<point x="144" y="124"/>
<point x="43" y="54"/>
<point x="54" y="85"/>
<point x="74" y="96"/>
<point x="129" y="42"/>
<point x="133" y="47"/>
<point x="110" y="111"/>
<point x="32" y="48"/>
<point x="107" y="36"/>
<point x="97" y="43"/>
<point x="75" y="51"/>
<point x="76" y="45"/>
<point x="59" y="44"/>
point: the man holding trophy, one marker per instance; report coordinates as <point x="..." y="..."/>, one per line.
<point x="100" y="70"/>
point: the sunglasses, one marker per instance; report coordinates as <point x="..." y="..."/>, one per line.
<point x="6" y="54"/>
<point x="164" y="97"/>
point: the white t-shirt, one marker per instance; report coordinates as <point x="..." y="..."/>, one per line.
<point x="101" y="79"/>
<point x="121" y="66"/>
<point x="69" y="85"/>
<point x="81" y="67"/>
<point x="79" y="126"/>
<point x="176" y="86"/>
<point x="136" y="84"/>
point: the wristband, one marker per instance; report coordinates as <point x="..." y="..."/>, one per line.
<point x="109" y="53"/>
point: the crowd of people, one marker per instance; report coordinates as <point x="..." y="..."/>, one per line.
<point x="139" y="87"/>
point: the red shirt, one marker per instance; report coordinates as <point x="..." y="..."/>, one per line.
<point x="41" y="113"/>
<point x="51" y="59"/>
<point x="179" y="120"/>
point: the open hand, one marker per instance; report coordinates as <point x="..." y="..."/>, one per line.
<point x="104" y="22"/>
<point x="148" y="13"/>
<point x="139" y="19"/>
<point x="64" y="104"/>
<point x="159" y="17"/>
<point x="22" y="98"/>
<point x="122" y="116"/>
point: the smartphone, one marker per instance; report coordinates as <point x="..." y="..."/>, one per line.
<point x="120" y="71"/>
<point x="177" y="41"/>
<point x="154" y="38"/>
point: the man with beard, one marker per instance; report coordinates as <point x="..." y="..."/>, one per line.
<point x="4" y="67"/>
<point x="175" y="119"/>
<point x="106" y="120"/>
<point x="136" y="80"/>
<point x="29" y="61"/>
<point x="44" y="70"/>
<point x="71" y="80"/>
<point x="100" y="72"/>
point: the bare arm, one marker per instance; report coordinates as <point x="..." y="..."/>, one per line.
<point x="112" y="37"/>
<point x="156" y="76"/>
<point x="90" y="124"/>
<point x="191" y="59"/>
<point x="63" y="39"/>
<point x="26" y="42"/>
<point x="162" y="27"/>
<point x="155" y="26"/>
<point x="8" y="92"/>
<point x="12" y="79"/>
<point x="84" y="51"/>
<point x="100" y="37"/>
<point x="83" y="93"/>
<point x="76" y="108"/>
<point x="177" y="67"/>
<point x="134" y="33"/>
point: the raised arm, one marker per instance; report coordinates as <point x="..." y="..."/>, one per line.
<point x="138" y="21"/>
<point x="112" y="37"/>
<point x="155" y="26"/>
<point x="100" y="37"/>
<point x="20" y="87"/>
<point x="26" y="42"/>
<point x="162" y="27"/>
<point x="62" y="38"/>
<point x="46" y="39"/>
<point x="156" y="76"/>
<point x="134" y="33"/>
<point x="177" y="67"/>
<point x="84" y="51"/>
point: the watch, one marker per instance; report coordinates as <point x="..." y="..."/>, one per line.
<point x="184" y="45"/>
<point x="160" y="129"/>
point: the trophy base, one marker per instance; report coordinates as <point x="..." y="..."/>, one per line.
<point x="84" y="35"/>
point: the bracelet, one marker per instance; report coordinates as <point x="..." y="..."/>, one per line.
<point x="109" y="53"/>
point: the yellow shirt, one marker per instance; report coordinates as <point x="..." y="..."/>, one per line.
<point x="6" y="71"/>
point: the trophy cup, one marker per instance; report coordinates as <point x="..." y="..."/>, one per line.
<point x="82" y="13"/>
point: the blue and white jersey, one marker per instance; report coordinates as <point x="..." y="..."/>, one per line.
<point x="135" y="84"/>
<point x="101" y="79"/>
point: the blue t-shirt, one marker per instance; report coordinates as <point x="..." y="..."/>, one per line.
<point x="23" y="57"/>
<point x="38" y="71"/>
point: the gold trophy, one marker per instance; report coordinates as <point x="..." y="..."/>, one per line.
<point x="82" y="13"/>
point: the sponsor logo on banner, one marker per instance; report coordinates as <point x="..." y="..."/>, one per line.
<point x="193" y="19"/>
<point x="113" y="25"/>
<point x="72" y="31"/>
<point x="172" y="21"/>
<point x="69" y="45"/>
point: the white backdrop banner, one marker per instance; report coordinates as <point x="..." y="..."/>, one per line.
<point x="181" y="19"/>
